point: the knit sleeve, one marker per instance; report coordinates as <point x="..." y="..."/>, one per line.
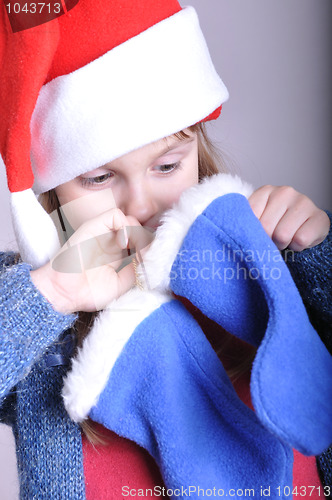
<point x="28" y="323"/>
<point x="311" y="270"/>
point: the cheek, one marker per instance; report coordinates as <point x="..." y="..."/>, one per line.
<point x="185" y="180"/>
<point x="188" y="177"/>
<point x="79" y="211"/>
<point x="79" y="206"/>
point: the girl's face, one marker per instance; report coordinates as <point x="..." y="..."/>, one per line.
<point x="143" y="183"/>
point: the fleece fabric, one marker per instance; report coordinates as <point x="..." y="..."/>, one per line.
<point x="102" y="462"/>
<point x="176" y="400"/>
<point x="168" y="391"/>
<point x="61" y="460"/>
<point x="285" y="385"/>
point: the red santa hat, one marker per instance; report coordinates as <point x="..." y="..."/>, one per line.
<point x="94" y="83"/>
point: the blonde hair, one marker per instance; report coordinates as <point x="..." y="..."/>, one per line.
<point x="210" y="162"/>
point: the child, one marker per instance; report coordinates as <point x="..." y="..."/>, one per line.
<point x="115" y="174"/>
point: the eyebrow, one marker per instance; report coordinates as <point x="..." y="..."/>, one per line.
<point x="179" y="142"/>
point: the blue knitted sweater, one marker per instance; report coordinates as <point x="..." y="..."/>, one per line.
<point x="35" y="346"/>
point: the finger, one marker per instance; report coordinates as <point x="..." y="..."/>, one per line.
<point x="259" y="199"/>
<point x="284" y="201"/>
<point x="106" y="222"/>
<point x="294" y="230"/>
<point x="112" y="246"/>
<point x="101" y="250"/>
<point x="140" y="238"/>
<point x="294" y="217"/>
<point x="96" y="240"/>
<point x="312" y="232"/>
<point x="122" y="235"/>
<point x="113" y="219"/>
<point x="105" y="285"/>
<point x="272" y="214"/>
<point x="117" y="224"/>
<point x="126" y="279"/>
<point x="110" y="230"/>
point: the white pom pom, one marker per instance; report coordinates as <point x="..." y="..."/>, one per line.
<point x="35" y="232"/>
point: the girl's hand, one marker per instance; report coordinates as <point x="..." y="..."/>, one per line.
<point x="291" y="219"/>
<point x="93" y="267"/>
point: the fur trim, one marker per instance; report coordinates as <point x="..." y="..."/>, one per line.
<point x="159" y="259"/>
<point x="152" y="107"/>
<point x="112" y="329"/>
<point x="94" y="362"/>
<point x="35" y="232"/>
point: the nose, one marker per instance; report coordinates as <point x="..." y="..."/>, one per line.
<point x="139" y="202"/>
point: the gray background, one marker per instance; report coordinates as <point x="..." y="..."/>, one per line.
<point x="274" y="57"/>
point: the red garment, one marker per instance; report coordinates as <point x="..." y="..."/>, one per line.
<point x="113" y="469"/>
<point x="124" y="464"/>
<point x="118" y="464"/>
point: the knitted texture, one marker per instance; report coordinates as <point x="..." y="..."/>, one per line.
<point x="24" y="313"/>
<point x="49" y="456"/>
<point x="32" y="346"/>
<point x="324" y="463"/>
<point x="311" y="270"/>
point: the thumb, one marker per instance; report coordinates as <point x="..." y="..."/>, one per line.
<point x="138" y="237"/>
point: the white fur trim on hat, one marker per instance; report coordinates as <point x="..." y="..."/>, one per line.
<point x="149" y="87"/>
